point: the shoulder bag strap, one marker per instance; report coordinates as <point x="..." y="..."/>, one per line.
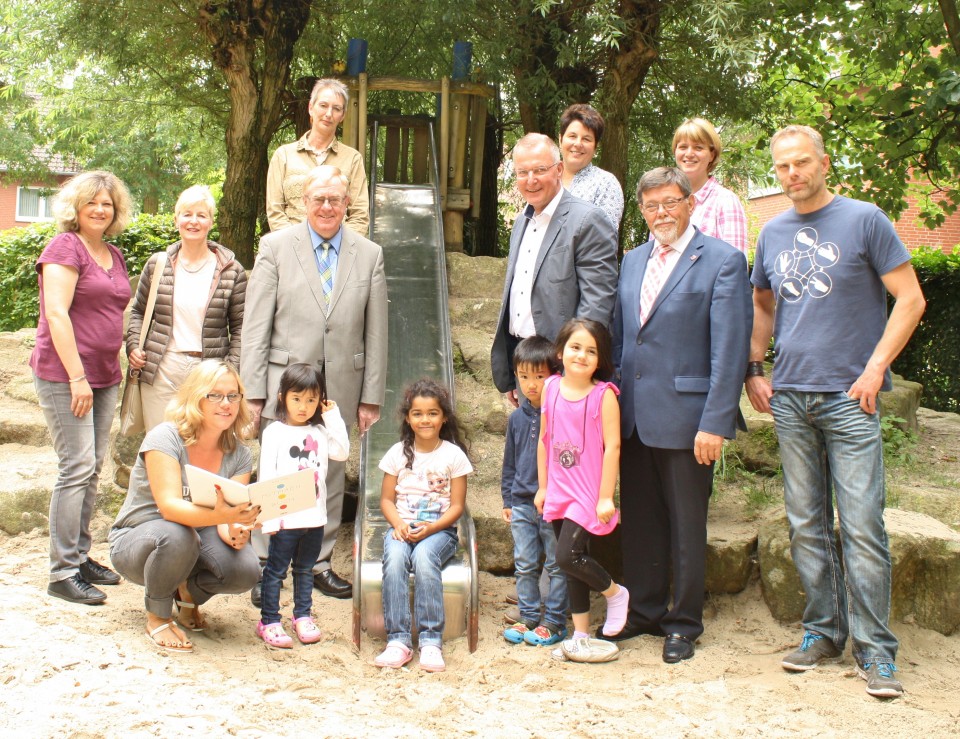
<point x="158" y="268"/>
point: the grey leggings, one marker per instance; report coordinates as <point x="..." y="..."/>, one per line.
<point x="160" y="555"/>
<point x="583" y="572"/>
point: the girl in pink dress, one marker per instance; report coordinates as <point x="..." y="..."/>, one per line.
<point x="578" y="459"/>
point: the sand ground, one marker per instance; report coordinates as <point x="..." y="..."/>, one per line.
<point x="78" y="671"/>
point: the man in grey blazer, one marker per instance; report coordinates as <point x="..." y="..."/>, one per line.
<point x="681" y="340"/>
<point x="562" y="263"/>
<point x="286" y="320"/>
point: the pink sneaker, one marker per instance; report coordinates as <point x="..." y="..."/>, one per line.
<point x="307" y="630"/>
<point x="397" y="654"/>
<point x="274" y="636"/>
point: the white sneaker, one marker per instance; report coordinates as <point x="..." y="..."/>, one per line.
<point x="431" y="659"/>
<point x="585" y="649"/>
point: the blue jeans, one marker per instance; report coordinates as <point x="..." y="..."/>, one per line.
<point x="300" y="546"/>
<point x="829" y="446"/>
<point x="425" y="560"/>
<point x="532" y="538"/>
<point x="81" y="445"/>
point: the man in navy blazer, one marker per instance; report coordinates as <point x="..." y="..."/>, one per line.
<point x="681" y="344"/>
<point x="562" y="263"/>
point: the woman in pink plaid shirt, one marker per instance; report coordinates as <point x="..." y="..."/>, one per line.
<point x="718" y="212"/>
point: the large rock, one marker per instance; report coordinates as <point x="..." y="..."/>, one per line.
<point x="926" y="570"/>
<point x="29" y="474"/>
<point x="902" y="401"/>
<point x="731" y="556"/>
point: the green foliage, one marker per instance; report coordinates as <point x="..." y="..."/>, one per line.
<point x="897" y="441"/>
<point x="932" y="357"/>
<point x="21" y="247"/>
<point x="880" y="81"/>
<point x="19" y="250"/>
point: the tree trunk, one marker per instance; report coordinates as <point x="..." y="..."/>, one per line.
<point x="626" y="69"/>
<point x="253" y="46"/>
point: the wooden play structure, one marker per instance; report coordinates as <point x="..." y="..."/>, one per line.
<point x="404" y="157"/>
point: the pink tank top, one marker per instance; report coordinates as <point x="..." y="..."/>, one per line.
<point x="574" y="443"/>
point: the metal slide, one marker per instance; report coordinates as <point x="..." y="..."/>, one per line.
<point x="406" y="221"/>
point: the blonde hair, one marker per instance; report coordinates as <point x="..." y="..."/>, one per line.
<point x="699" y="131"/>
<point x="193" y="195"/>
<point x="81" y="189"/>
<point x="184" y="410"/>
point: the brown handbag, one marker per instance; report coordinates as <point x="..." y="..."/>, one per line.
<point x="131" y="408"/>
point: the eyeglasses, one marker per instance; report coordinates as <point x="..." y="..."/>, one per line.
<point x="324" y="107"/>
<point x="335" y="201"/>
<point x="522" y="174"/>
<point x="651" y="209"/>
<point x="232" y="398"/>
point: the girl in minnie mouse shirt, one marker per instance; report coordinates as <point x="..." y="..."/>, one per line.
<point x="309" y="430"/>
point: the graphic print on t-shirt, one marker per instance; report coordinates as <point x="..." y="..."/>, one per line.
<point x="427" y="506"/>
<point x="804" y="268"/>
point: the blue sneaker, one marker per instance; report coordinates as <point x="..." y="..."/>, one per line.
<point x="516" y="633"/>
<point x="545" y="636"/>
<point x="880" y="680"/>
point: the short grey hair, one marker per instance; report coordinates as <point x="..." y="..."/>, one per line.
<point x="198" y="194"/>
<point x="533" y="140"/>
<point x="797" y="130"/>
<point x="663" y="176"/>
<point x="328" y="83"/>
<point x="82" y="189"/>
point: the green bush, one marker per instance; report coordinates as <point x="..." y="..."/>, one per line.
<point x="21" y="247"/>
<point x="932" y="357"/>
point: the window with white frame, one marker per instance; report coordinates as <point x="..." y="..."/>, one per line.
<point x="33" y="204"/>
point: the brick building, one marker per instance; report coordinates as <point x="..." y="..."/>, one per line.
<point x="765" y="204"/>
<point x="23" y="203"/>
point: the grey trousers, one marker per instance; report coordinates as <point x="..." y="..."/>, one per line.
<point x="81" y="445"/>
<point x="160" y="554"/>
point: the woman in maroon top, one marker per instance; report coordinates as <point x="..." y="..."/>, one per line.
<point x="84" y="289"/>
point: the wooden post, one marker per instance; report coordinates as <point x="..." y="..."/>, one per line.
<point x="444" y="139"/>
<point x="362" y="119"/>
<point x="349" y="124"/>
<point x="478" y="123"/>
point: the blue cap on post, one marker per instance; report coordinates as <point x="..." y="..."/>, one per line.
<point x="356" y="56"/>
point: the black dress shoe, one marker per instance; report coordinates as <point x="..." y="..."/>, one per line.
<point x="76" y="590"/>
<point x="629" y="632"/>
<point x="329" y="583"/>
<point x="255" y="596"/>
<point x="96" y="574"/>
<point x="677" y="647"/>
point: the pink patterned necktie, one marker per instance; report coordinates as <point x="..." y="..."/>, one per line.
<point x="652" y="282"/>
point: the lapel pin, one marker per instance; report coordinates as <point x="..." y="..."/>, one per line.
<point x="694" y="257"/>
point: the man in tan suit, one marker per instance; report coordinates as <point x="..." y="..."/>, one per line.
<point x="286" y="320"/>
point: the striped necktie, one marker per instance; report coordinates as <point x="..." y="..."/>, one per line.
<point x="652" y="282"/>
<point x="326" y="275"/>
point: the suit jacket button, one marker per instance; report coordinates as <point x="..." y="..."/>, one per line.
<point x="638" y="375"/>
<point x="639" y="342"/>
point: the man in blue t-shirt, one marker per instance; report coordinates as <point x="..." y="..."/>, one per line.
<point x="820" y="278"/>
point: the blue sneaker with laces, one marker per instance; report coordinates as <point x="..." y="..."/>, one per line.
<point x="814" y="649"/>
<point x="880" y="680"/>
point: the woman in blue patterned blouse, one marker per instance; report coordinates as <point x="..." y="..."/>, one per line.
<point x="581" y="128"/>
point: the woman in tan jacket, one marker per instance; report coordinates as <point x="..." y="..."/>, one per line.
<point x="199" y="309"/>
